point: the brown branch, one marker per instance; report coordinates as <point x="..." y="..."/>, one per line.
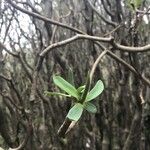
<point x="114" y="30"/>
<point x="118" y="46"/>
<point x="102" y="17"/>
<point x="25" y="67"/>
<point x="111" y="40"/>
<point x="74" y="38"/>
<point x="95" y="38"/>
<point x="8" y="27"/>
<point x="106" y="9"/>
<point x="96" y="63"/>
<point x="132" y="69"/>
<point x="8" y="51"/>
<point x="130" y="49"/>
<point x="38" y="16"/>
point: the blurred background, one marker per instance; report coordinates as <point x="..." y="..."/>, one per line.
<point x="26" y="114"/>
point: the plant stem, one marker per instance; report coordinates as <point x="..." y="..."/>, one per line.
<point x="96" y="63"/>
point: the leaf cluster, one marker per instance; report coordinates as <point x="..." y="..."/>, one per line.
<point x="81" y="102"/>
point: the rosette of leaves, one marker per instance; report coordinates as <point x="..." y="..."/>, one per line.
<point x="81" y="96"/>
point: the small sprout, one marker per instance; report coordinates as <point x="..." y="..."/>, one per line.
<point x="82" y="96"/>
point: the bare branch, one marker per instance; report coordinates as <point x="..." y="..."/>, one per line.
<point x="74" y="38"/>
<point x="95" y="38"/>
<point x="8" y="51"/>
<point x="44" y="18"/>
<point x="145" y="48"/>
<point x="96" y="63"/>
<point x="102" y="17"/>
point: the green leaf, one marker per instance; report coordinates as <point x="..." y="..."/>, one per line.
<point x="97" y="90"/>
<point x="55" y="93"/>
<point x="81" y="89"/>
<point x="75" y="112"/>
<point x="86" y="90"/>
<point x="64" y="85"/>
<point x="90" y="107"/>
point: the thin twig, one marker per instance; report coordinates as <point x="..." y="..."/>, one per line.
<point x="96" y="38"/>
<point x="96" y="63"/>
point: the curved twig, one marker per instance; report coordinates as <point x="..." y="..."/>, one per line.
<point x="96" y="38"/>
